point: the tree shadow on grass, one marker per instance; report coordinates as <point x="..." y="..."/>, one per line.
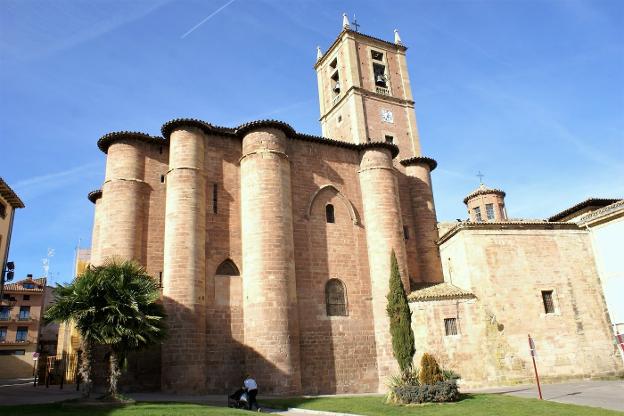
<point x="465" y="397"/>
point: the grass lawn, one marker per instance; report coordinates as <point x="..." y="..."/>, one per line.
<point x="471" y="404"/>
<point x="139" y="409"/>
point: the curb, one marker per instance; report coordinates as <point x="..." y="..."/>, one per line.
<point x="320" y="412"/>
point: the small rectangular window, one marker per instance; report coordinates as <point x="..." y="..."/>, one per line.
<point x="489" y="210"/>
<point x="160" y="279"/>
<point x="334" y="63"/>
<point x="378" y="56"/>
<point x="214" y="198"/>
<point x="162" y="178"/>
<point x="450" y="326"/>
<point x="329" y="214"/>
<point x="477" y="213"/>
<point x="26" y="297"/>
<point x="547" y="298"/>
<point x="2" y="209"/>
<point x="405" y="232"/>
<point x="389" y="139"/>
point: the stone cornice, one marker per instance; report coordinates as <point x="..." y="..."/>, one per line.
<point x="258" y="124"/>
<point x="204" y="126"/>
<point x="357" y="35"/>
<point x="394" y="149"/>
<point x="9" y="195"/>
<point x="94" y="195"/>
<point x="600" y="202"/>
<point x="508" y="225"/>
<point x="483" y="190"/>
<point x="419" y="160"/>
<point x="108" y="139"/>
<point x="237" y="133"/>
<point x="602" y="213"/>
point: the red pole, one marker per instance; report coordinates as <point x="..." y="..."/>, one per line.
<point x="532" y="348"/>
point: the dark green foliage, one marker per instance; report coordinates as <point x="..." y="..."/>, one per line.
<point x="448" y="374"/>
<point x="429" y="370"/>
<point x="400" y="319"/>
<point x="113" y="305"/>
<point x="442" y="391"/>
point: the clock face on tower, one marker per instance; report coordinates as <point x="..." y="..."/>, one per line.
<point x="386" y="115"/>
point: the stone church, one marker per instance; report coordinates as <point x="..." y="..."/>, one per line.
<point x="273" y="247"/>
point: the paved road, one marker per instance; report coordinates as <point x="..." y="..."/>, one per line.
<point x="596" y="393"/>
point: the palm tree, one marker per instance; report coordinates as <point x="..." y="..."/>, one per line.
<point x="114" y="305"/>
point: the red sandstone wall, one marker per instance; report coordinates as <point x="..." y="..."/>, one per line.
<point x="337" y="353"/>
<point x="224" y="314"/>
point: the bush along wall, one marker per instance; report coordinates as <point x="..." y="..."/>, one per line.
<point x="442" y="391"/>
<point x="432" y="384"/>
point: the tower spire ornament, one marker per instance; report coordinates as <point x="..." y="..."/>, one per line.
<point x="345" y="21"/>
<point x="356" y="25"/>
<point x="480" y="176"/>
<point x="397" y="38"/>
<point x="319" y="54"/>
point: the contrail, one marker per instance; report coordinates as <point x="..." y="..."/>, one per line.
<point x="191" y="30"/>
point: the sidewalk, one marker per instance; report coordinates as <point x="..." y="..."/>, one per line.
<point x="596" y="393"/>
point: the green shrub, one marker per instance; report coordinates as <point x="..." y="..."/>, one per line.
<point x="429" y="370"/>
<point x="442" y="391"/>
<point x="448" y="374"/>
<point x="408" y="378"/>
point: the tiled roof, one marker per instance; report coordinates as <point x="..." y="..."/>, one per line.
<point x="603" y="212"/>
<point x="236" y="132"/>
<point x="597" y="202"/>
<point x="439" y="291"/>
<point x="40" y="284"/>
<point x="483" y="190"/>
<point x="109" y="138"/>
<point x="94" y="195"/>
<point x="420" y="159"/>
<point x="508" y="225"/>
<point x="9" y="195"/>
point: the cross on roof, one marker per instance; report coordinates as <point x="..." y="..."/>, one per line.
<point x="355" y="24"/>
<point x="480" y="176"/>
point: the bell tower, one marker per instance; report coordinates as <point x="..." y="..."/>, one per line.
<point x="365" y="93"/>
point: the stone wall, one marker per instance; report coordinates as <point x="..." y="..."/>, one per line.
<point x="507" y="271"/>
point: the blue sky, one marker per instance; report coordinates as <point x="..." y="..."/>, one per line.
<point x="531" y="93"/>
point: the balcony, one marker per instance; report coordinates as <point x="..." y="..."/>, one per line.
<point x="22" y="318"/>
<point x="382" y="90"/>
<point x="4" y="318"/>
<point x="6" y="342"/>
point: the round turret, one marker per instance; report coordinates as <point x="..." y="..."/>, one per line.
<point x="486" y="205"/>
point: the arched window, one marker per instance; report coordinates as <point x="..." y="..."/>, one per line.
<point x="336" y="298"/>
<point x="329" y="213"/>
<point x="227" y="268"/>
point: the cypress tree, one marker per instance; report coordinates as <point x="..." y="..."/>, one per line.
<point x="400" y="319"/>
